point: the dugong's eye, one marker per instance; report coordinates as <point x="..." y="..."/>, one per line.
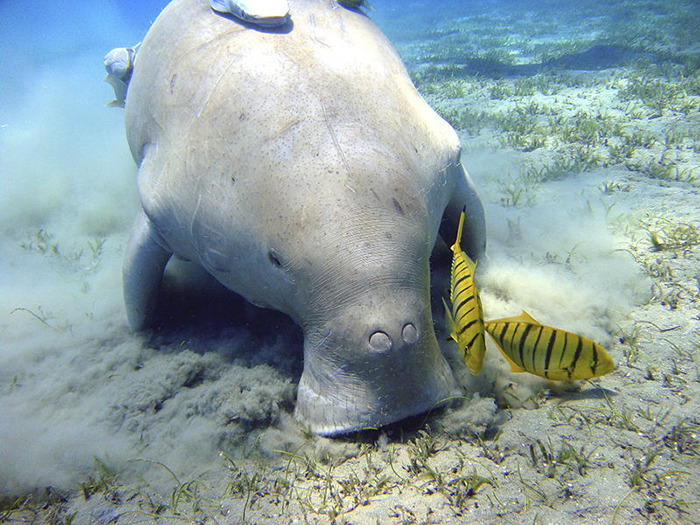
<point x="274" y="258"/>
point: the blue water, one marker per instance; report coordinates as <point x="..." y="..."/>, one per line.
<point x="32" y="35"/>
<point x="65" y="169"/>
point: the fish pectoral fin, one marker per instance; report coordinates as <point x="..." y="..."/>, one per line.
<point x="513" y="366"/>
<point x="449" y="321"/>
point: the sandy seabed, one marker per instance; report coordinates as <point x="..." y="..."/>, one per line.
<point x="585" y="151"/>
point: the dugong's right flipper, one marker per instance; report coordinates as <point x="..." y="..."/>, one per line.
<point x="144" y="264"/>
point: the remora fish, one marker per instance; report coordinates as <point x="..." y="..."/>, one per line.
<point x="356" y="4"/>
<point x="265" y="13"/>
<point x="548" y="352"/>
<point x="466" y="319"/>
<point x="119" y="64"/>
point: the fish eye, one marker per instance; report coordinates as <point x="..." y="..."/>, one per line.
<point x="274" y="258"/>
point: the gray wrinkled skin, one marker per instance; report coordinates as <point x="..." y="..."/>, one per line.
<point x="301" y="169"/>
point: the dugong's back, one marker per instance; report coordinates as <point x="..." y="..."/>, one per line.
<point x="265" y="99"/>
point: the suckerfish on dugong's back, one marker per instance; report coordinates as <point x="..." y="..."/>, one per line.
<point x="301" y="168"/>
<point x="119" y="64"/>
<point x="266" y="13"/>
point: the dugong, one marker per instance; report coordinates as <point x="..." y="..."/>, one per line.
<point x="301" y="168"/>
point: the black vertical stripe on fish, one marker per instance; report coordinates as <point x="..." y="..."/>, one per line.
<point x="504" y="328"/>
<point x="565" y="349"/>
<point x="538" y="351"/>
<point x="464" y="314"/>
<point x="459" y="286"/>
<point x="466" y="326"/>
<point x="594" y="362"/>
<point x="564" y="358"/>
<point x="515" y="341"/>
<point x="591" y="353"/>
<point x="471" y="341"/>
<point x="577" y="355"/>
<point x="458" y="263"/>
<point x="508" y="334"/>
<point x="468" y="291"/>
<point x="464" y="299"/>
<point x="547" y="350"/>
<point x="461" y="267"/>
<point x="565" y="352"/>
<point x="459" y="281"/>
<point x="462" y="302"/>
<point x="571" y="363"/>
<point x="464" y="308"/>
<point x="521" y="343"/>
<point x="550" y="342"/>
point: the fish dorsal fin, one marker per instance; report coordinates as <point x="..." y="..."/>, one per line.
<point x="471" y="264"/>
<point x="527" y="318"/>
<point x="524" y="317"/>
<point x="457" y="246"/>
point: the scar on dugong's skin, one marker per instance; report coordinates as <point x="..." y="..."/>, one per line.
<point x="304" y="171"/>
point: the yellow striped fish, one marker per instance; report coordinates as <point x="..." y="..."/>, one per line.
<point x="466" y="319"/>
<point x="548" y="352"/>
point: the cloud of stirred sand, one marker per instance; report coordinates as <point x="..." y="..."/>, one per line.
<point x="76" y="384"/>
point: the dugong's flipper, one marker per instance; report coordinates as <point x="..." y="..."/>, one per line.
<point x="144" y="263"/>
<point x="265" y="13"/>
<point x="465" y="197"/>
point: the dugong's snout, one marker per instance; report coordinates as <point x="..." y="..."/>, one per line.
<point x="364" y="370"/>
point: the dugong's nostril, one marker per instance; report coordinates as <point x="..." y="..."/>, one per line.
<point x="380" y="341"/>
<point x="409" y="334"/>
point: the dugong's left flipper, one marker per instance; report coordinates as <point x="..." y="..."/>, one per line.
<point x="465" y="197"/>
<point x="144" y="264"/>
